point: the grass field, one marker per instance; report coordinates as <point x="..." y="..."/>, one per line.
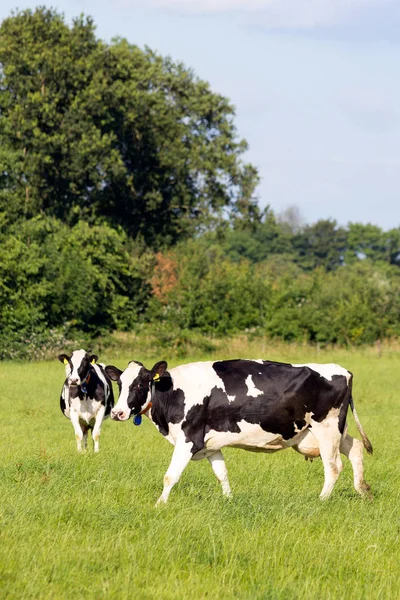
<point x="85" y="526"/>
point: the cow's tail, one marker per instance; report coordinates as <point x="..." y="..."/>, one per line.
<point x="365" y="440"/>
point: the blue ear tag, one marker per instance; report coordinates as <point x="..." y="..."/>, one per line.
<point x="137" y="420"/>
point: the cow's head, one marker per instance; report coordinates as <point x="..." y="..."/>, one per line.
<point x="134" y="388"/>
<point x="77" y="366"/>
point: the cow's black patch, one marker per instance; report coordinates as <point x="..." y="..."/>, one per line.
<point x="287" y="394"/>
<point x="63" y="406"/>
<point x="168" y="404"/>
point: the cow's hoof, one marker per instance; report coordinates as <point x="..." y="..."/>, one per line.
<point x="366" y="493"/>
<point x="160" y="502"/>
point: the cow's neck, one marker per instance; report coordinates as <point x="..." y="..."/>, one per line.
<point x="90" y="383"/>
<point x="162" y="399"/>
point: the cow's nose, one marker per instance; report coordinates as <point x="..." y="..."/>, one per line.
<point x="73" y="381"/>
<point x="117" y="415"/>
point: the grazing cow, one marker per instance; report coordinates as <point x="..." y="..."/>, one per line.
<point x="86" y="397"/>
<point x="256" y="405"/>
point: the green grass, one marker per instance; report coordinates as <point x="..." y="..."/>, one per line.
<point x="85" y="526"/>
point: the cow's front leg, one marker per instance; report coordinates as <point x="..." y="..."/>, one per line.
<point x="97" y="427"/>
<point x="217" y="462"/>
<point x="77" y="428"/>
<point x="180" y="459"/>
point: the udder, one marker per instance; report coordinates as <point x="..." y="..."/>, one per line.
<point x="308" y="446"/>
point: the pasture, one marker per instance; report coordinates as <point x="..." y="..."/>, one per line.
<point x="85" y="526"/>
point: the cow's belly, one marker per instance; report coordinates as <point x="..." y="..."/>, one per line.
<point x="86" y="409"/>
<point x="251" y="437"/>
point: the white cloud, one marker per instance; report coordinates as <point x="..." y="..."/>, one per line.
<point x="273" y="13"/>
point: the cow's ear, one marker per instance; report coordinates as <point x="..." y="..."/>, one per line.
<point x="158" y="370"/>
<point x="63" y="358"/>
<point x="113" y="372"/>
<point x="93" y="359"/>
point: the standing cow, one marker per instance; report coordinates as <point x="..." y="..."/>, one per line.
<point x="256" y="405"/>
<point x="86" y="397"/>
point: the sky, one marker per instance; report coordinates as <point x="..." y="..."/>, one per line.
<point x="315" y="84"/>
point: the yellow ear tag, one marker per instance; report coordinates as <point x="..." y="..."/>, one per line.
<point x="65" y="361"/>
<point x="156" y="377"/>
<point x="93" y="362"/>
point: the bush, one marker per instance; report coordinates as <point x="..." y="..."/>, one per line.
<point x="205" y="291"/>
<point x="90" y="277"/>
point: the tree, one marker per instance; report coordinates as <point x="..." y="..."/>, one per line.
<point x="320" y="245"/>
<point x="256" y="239"/>
<point x="291" y="220"/>
<point x="116" y="132"/>
<point x="12" y="199"/>
<point x="365" y="241"/>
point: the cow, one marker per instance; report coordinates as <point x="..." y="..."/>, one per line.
<point x="86" y="397"/>
<point x="257" y="405"/>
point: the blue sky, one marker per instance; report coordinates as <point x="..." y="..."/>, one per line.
<point x="315" y="84"/>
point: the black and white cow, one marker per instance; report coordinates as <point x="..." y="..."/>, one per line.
<point x="86" y="397"/>
<point x="256" y="405"/>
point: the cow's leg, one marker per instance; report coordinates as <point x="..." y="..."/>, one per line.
<point x="328" y="436"/>
<point x="217" y="462"/>
<point x="97" y="427"/>
<point x="180" y="458"/>
<point x="353" y="449"/>
<point x="85" y="430"/>
<point x="77" y="428"/>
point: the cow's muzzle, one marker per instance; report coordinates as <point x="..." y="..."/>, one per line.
<point x="119" y="415"/>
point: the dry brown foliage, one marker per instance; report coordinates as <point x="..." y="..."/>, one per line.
<point x="165" y="276"/>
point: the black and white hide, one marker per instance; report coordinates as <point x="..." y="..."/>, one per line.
<point x="256" y="405"/>
<point x="86" y="397"/>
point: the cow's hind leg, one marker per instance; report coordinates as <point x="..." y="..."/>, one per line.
<point x="328" y="436"/>
<point x="180" y="459"/>
<point x="353" y="449"/>
<point x="85" y="430"/>
<point x="217" y="463"/>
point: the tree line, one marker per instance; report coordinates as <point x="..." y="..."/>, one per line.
<point x="125" y="200"/>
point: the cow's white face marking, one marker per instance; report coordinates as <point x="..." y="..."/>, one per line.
<point x="76" y="360"/>
<point x="127" y="377"/>
<point x="327" y="371"/>
<point x="251" y="388"/>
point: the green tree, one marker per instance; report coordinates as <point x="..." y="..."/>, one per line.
<point x="365" y="241"/>
<point x="370" y="241"/>
<point x="12" y="198"/>
<point x="321" y="244"/>
<point x="257" y="240"/>
<point x="116" y="132"/>
<point x="90" y="277"/>
<point x="207" y="291"/>
<point x="392" y="238"/>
